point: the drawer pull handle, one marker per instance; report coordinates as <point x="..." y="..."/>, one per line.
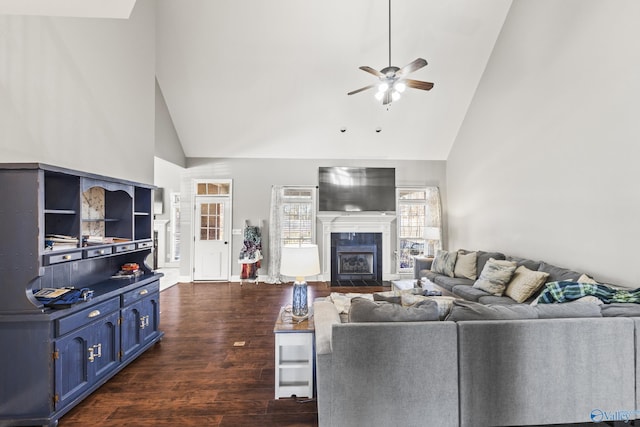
<point x="94" y="313"/>
<point x="66" y="257"/>
<point x="101" y="252"/>
<point x="144" y="292"/>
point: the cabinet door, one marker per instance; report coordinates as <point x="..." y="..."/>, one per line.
<point x="83" y="356"/>
<point x="139" y="324"/>
<point x="105" y="339"/>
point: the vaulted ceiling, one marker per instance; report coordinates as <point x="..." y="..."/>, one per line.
<point x="255" y="78"/>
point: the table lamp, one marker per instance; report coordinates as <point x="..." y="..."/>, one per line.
<point x="431" y="234"/>
<point x="300" y="262"/>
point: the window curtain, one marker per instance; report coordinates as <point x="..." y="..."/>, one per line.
<point x="275" y="233"/>
<point x="434" y="214"/>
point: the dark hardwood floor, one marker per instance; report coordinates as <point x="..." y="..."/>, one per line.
<point x="195" y="376"/>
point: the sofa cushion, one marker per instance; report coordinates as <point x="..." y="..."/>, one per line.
<point x="620" y="309"/>
<point x="428" y="274"/>
<point x="492" y="299"/>
<point x="529" y="263"/>
<point x="470" y="293"/>
<point x="450" y="282"/>
<point x="495" y="275"/>
<point x="444" y="263"/>
<point x="525" y="283"/>
<point x="568" y="309"/>
<point x="558" y="274"/>
<point x="466" y="265"/>
<point x="364" y="310"/>
<point x="469" y="310"/>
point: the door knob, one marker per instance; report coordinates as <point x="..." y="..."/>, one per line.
<point x="226" y="243"/>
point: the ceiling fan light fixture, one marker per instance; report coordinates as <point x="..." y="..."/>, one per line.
<point x="400" y="86"/>
<point x="383" y="87"/>
<point x="395" y="95"/>
<point x="379" y="95"/>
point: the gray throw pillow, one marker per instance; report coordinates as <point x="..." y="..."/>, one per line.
<point x="444" y="263"/>
<point x="468" y="310"/>
<point x="364" y="310"/>
<point x="495" y="276"/>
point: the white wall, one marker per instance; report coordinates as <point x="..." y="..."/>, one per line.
<point x="79" y="92"/>
<point x="546" y="162"/>
<point x="252" y="181"/>
<point x="168" y="146"/>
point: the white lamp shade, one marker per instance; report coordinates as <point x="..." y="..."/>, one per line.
<point x="432" y="233"/>
<point x="300" y="261"/>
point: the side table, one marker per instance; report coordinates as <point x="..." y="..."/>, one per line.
<point x="295" y="355"/>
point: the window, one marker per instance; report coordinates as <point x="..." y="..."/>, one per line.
<point x="298" y="209"/>
<point x="418" y="218"/>
<point x="213" y="189"/>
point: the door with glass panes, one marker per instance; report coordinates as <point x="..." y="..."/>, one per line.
<point x="212" y="231"/>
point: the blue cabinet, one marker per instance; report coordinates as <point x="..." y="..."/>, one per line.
<point x="63" y="228"/>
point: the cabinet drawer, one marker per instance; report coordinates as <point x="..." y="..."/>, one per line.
<point x="50" y="259"/>
<point x="139" y="293"/>
<point x="125" y="248"/>
<point x="142" y="245"/>
<point x="89" y="314"/>
<point x="91" y="253"/>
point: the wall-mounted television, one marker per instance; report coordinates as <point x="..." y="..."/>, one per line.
<point x="354" y="189"/>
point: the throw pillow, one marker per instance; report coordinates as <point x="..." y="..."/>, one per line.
<point x="586" y="279"/>
<point x="343" y="301"/>
<point x="444" y="263"/>
<point x="466" y="265"/>
<point x="525" y="283"/>
<point x="469" y="310"/>
<point x="444" y="303"/>
<point x="495" y="276"/>
<point x="364" y="310"/>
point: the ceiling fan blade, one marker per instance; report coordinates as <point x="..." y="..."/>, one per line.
<point x="417" y="84"/>
<point x="360" y="90"/>
<point x="372" y="71"/>
<point x="411" y="67"/>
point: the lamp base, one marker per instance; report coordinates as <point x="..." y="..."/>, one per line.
<point x="300" y="307"/>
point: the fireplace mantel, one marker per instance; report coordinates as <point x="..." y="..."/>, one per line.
<point x="356" y="222"/>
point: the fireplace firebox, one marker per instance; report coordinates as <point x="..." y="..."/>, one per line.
<point x="356" y="259"/>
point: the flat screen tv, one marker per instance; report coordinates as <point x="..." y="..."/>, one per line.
<point x="353" y="189"/>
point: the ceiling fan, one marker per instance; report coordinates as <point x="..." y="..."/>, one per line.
<point x="393" y="80"/>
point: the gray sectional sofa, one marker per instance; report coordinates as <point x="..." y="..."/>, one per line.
<point x="477" y="372"/>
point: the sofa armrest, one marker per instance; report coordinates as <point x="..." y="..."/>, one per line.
<point x="419" y="264"/>
<point x="325" y="315"/>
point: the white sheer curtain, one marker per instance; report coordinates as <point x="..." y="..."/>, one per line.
<point x="434" y="213"/>
<point x="275" y="233"/>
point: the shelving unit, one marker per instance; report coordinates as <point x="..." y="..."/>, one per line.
<point x="57" y="357"/>
<point x="294" y="350"/>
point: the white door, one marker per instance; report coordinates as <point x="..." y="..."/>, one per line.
<point x="212" y="232"/>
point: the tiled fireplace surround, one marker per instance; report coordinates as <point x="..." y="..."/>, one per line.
<point x="356" y="222"/>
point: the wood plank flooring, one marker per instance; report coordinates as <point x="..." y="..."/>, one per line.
<point x="195" y="376"/>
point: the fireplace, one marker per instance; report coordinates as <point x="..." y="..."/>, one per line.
<point x="356" y="259"/>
